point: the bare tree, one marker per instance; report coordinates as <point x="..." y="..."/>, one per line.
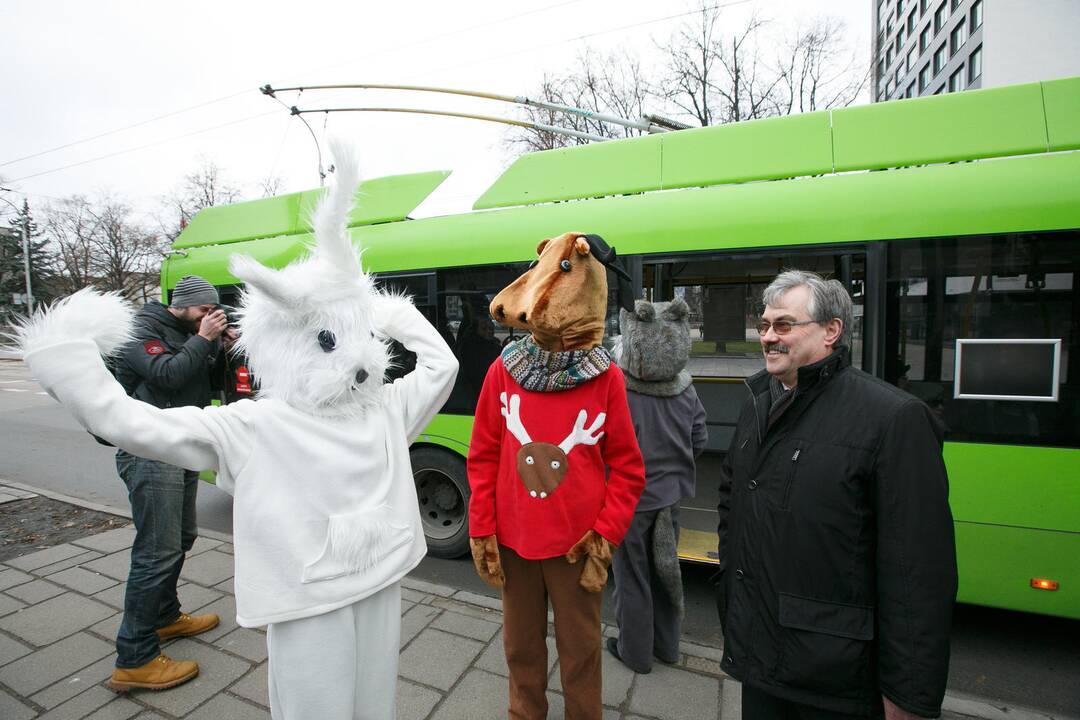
<point x="715" y="72"/>
<point x="815" y="71"/>
<point x="204" y="187"/>
<point x="127" y="256"/>
<point x="612" y="84"/>
<point x="271" y="185"/>
<point x="98" y="243"/>
<point x="70" y="224"/>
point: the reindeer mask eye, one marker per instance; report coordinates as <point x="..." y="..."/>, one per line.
<point x="327" y="341"/>
<point x="555" y="464"/>
<point x="565" y="265"/>
<point x="529" y="460"/>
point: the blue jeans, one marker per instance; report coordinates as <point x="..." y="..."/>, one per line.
<point x="162" y="501"/>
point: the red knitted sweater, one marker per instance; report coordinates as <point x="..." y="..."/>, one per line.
<point x="541" y="500"/>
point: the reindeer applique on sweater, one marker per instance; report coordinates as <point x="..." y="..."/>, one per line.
<point x="542" y="465"/>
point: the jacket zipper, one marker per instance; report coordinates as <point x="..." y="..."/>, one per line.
<point x="791" y="477"/>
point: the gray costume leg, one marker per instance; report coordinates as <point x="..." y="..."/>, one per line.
<point x="634" y="593"/>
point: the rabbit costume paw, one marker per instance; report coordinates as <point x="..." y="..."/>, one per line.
<point x="104" y="318"/>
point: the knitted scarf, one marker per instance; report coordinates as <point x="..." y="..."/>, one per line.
<point x="542" y="371"/>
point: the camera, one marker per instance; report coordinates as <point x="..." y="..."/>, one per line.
<point x="231" y="315"/>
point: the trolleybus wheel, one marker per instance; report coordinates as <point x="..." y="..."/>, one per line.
<point x="442" y="489"/>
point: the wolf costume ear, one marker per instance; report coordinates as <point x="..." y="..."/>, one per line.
<point x="677" y="309"/>
<point x="270" y="283"/>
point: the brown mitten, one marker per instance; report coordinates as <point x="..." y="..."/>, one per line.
<point x="485" y="555"/>
<point x="597" y="552"/>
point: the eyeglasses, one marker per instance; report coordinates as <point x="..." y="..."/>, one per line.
<point x="781" y="327"/>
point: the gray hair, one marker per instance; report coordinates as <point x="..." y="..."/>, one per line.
<point x="828" y="298"/>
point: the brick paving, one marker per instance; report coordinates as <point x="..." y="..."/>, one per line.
<point x="60" y="609"/>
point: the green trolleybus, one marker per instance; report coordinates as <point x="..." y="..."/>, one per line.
<point x="953" y="220"/>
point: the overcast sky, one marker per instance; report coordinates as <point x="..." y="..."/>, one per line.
<point x="165" y="84"/>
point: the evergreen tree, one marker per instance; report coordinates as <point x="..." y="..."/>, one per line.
<point x="12" y="267"/>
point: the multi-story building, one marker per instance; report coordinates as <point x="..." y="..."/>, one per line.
<point x="926" y="47"/>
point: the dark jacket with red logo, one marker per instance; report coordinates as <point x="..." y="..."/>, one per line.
<point x="836" y="545"/>
<point x="166" y="365"/>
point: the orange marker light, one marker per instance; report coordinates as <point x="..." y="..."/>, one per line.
<point x="1044" y="584"/>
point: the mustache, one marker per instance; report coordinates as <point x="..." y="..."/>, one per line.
<point x="778" y="347"/>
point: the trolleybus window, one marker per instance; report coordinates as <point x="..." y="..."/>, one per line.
<point x="995" y="287"/>
<point x="724" y="295"/>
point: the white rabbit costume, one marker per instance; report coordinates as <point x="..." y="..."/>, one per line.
<point x="325" y="514"/>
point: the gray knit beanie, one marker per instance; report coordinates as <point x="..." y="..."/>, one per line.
<point x="193" y="290"/>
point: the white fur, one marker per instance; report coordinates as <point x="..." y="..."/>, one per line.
<point x="105" y="318"/>
<point x="359" y="545"/>
<point x="283" y="311"/>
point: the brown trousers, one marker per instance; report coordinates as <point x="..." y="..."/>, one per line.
<point x="529" y="584"/>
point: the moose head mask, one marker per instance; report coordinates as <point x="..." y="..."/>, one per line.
<point x="561" y="299"/>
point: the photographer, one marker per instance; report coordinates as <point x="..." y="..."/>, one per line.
<point x="168" y="364"/>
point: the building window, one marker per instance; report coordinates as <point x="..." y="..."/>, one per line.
<point x="899" y="39"/>
<point x="924" y="38"/>
<point x="889" y="87"/>
<point x="888" y="57"/>
<point x="924" y="78"/>
<point x="911" y="22"/>
<point x="955" y="4"/>
<point x="899" y="8"/>
<point x="939" y="58"/>
<point x="910" y="90"/>
<point x="880" y="70"/>
<point x="976" y="15"/>
<point x="889" y="24"/>
<point x="959" y="35"/>
<point x="956" y="80"/>
<point x="899" y="74"/>
<point x="912" y="56"/>
<point x="940" y="16"/>
<point x="975" y="65"/>
<point x="922" y="6"/>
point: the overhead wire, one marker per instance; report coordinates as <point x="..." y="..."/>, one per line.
<point x="143" y="147"/>
<point x="238" y="93"/>
<point x="598" y="33"/>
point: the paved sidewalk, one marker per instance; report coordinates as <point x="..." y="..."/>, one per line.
<point x="60" y="610"/>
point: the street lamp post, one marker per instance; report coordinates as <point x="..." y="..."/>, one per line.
<point x="26" y="255"/>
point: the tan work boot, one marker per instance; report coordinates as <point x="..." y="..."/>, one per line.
<point x="187" y="625"/>
<point x="158" y="674"/>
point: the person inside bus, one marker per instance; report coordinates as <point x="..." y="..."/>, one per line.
<point x="669" y="422"/>
<point x="477" y="349"/>
<point x="837" y="557"/>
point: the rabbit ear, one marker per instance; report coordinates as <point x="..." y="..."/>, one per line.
<point x="333" y="244"/>
<point x="269" y="282"/>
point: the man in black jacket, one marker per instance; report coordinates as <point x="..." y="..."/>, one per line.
<point x="168" y="364"/>
<point x="836" y="539"/>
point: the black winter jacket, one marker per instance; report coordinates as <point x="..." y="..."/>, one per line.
<point x="166" y="365"/>
<point x="836" y="545"/>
